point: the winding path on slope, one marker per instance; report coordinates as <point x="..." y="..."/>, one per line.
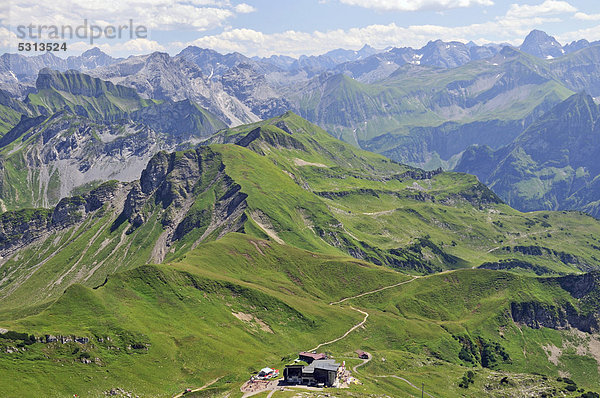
<point x="364" y="362"/>
<point x="353" y="328"/>
<point x="210" y="383"/>
<point x="375" y="291"/>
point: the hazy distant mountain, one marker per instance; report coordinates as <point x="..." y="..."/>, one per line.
<point x="552" y="165"/>
<point x="436" y="53"/>
<point x="160" y="76"/>
<point x="213" y="64"/>
<point x="341" y="55"/>
<point x="18" y="72"/>
<point x="579" y="70"/>
<point x="541" y="45"/>
<point x="422" y="113"/>
<point x="423" y="106"/>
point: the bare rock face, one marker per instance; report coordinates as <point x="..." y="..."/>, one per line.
<point x="19" y="228"/>
<point x="537" y="315"/>
<point x="162" y="77"/>
<point x="66" y="151"/>
<point x="183" y="119"/>
<point x="252" y="88"/>
<point x="579" y="286"/>
<point x="541" y="45"/>
<point x="584" y="315"/>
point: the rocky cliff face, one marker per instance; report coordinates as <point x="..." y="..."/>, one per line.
<point x="66" y="151"/>
<point x="537" y="315"/>
<point x="580" y="286"/>
<point x="584" y="315"/>
<point x="181" y="199"/>
<point x="162" y="77"/>
<point x="21" y="228"/>
<point x="244" y="83"/>
<point x="181" y="120"/>
<point x="171" y="184"/>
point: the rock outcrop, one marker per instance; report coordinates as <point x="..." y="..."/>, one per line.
<point x="584" y="315"/>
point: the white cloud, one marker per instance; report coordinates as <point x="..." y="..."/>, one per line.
<point x="590" y="34"/>
<point x="244" y="8"/>
<point x="415" y="5"/>
<point x="133" y="47"/>
<point x="184" y="16"/>
<point x="587" y="17"/>
<point x="548" y="7"/>
<point x="7" y="38"/>
<point x="197" y="15"/>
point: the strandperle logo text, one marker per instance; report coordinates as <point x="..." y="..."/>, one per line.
<point x="84" y="31"/>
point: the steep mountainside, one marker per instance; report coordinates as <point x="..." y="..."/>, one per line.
<point x="159" y="76"/>
<point x="579" y="70"/>
<point x="541" y="45"/>
<point x="419" y="106"/>
<point x="552" y="165"/>
<point x="421" y="114"/>
<point x="77" y="131"/>
<point x="265" y="236"/>
<point x="287" y="180"/>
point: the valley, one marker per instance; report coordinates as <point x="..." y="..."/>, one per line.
<point x="334" y="279"/>
<point x="174" y="222"/>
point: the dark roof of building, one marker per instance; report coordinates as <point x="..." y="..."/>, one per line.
<point x="323" y="364"/>
<point x="313" y="355"/>
<point x="360" y="352"/>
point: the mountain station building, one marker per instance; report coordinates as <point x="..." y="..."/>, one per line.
<point x="319" y="372"/>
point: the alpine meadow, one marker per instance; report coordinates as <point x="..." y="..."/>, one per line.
<point x="383" y="221"/>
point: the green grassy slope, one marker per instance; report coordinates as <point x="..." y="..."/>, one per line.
<point x="8" y="118"/>
<point x="178" y="319"/>
<point x="84" y="95"/>
<point x="273" y="222"/>
<point x="181" y="317"/>
<point x="436" y="328"/>
<point x="391" y="206"/>
<point x="342" y="202"/>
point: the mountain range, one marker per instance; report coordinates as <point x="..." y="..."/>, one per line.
<point x="174" y="222"/>
<point x="551" y="165"/>
<point x="422" y="107"/>
<point x="258" y="232"/>
<point x="77" y="131"/>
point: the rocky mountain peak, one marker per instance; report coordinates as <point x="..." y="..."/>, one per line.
<point x="542" y="45"/>
<point x="93" y="52"/>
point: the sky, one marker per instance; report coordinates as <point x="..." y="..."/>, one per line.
<point x="285" y="27"/>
